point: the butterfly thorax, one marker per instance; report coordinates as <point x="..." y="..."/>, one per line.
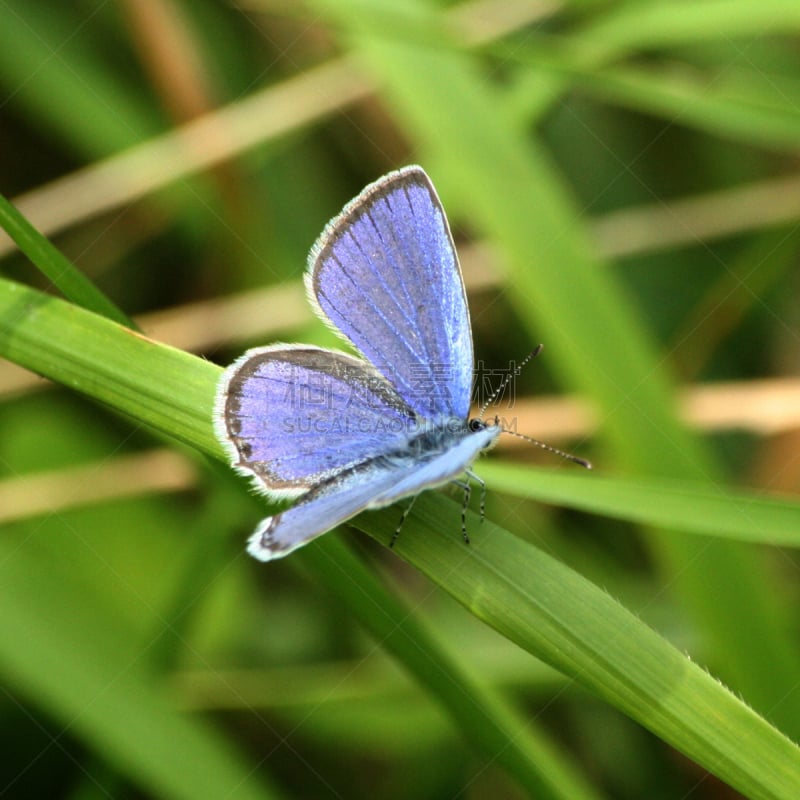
<point x="436" y="438"/>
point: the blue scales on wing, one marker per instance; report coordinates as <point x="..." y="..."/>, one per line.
<point x="435" y="457"/>
<point x="385" y="274"/>
<point x="296" y="415"/>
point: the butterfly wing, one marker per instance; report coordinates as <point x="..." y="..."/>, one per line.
<point x="295" y="415"/>
<point x="386" y="275"/>
<point x="373" y="484"/>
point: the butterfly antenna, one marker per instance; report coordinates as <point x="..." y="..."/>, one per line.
<point x="568" y="456"/>
<point x="499" y="390"/>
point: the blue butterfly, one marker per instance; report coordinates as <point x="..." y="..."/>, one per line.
<point x="341" y="433"/>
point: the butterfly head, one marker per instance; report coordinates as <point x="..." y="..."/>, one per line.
<point x="478" y="425"/>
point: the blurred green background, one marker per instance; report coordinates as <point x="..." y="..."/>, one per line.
<point x="622" y="183"/>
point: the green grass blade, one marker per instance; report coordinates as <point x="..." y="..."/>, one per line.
<point x="738" y="106"/>
<point x="497" y="731"/>
<point x="69" y="280"/>
<point x="68" y="655"/>
<point x="681" y="505"/>
<point x="637" y="26"/>
<point x="46" y="53"/>
<point x="631" y="27"/>
<point x="159" y="386"/>
<point x="561" y="618"/>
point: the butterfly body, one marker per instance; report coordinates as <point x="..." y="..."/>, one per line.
<point x="431" y="460"/>
<point x="344" y="433"/>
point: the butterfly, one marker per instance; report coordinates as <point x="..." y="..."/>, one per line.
<point x="343" y="433"/>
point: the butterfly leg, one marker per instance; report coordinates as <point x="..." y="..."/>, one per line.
<point x="467" y="494"/>
<point x="482" y="484"/>
<point x="402" y="520"/>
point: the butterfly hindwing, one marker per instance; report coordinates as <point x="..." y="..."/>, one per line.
<point x="295" y="415"/>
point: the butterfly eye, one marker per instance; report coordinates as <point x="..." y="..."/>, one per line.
<point x="476" y="425"/>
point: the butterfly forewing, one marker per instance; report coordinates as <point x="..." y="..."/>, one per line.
<point x="386" y="275"/>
